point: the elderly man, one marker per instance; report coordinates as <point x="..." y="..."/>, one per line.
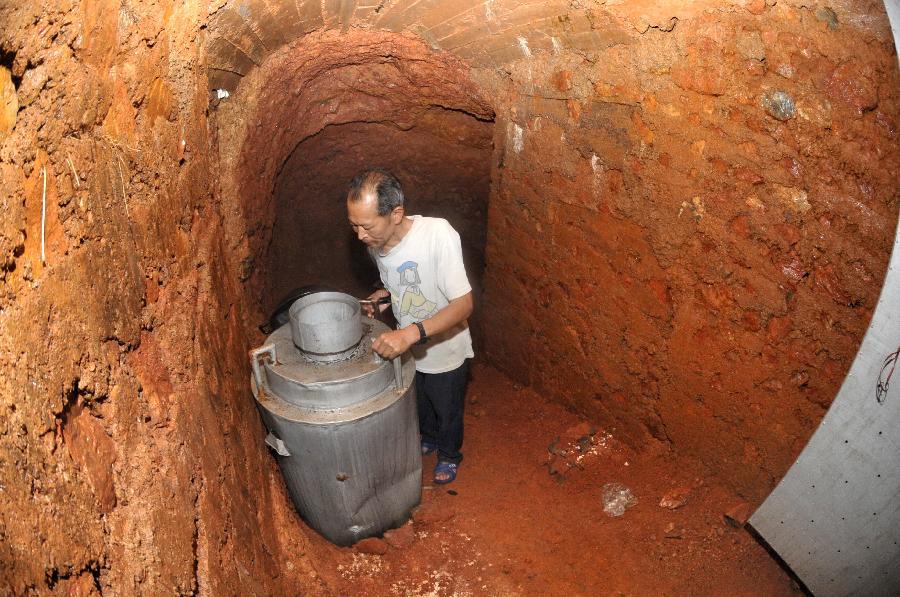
<point x="421" y="266"/>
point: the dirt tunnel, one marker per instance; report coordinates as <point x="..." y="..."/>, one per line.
<point x="376" y="100"/>
<point x="677" y="218"/>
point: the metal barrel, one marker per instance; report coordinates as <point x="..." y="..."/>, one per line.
<point x="345" y="433"/>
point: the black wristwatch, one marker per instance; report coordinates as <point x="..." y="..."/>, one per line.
<point x="423" y="337"/>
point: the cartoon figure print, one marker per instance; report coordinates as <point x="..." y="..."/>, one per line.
<point x="413" y="302"/>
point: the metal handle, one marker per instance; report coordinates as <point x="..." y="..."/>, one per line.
<point x="398" y="373"/>
<point x="277" y="445"/>
<point x="268" y="349"/>
<point x="397" y="362"/>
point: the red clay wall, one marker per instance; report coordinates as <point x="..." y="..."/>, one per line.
<point x="672" y="255"/>
<point x="128" y="459"/>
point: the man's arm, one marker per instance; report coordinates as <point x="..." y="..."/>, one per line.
<point x="394" y="343"/>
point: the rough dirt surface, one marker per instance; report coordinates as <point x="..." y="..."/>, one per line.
<point x="691" y="207"/>
<point x="526" y="517"/>
<point x="131" y="459"/>
<point x="690" y="229"/>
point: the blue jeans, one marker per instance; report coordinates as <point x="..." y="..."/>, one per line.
<point x="441" y="401"/>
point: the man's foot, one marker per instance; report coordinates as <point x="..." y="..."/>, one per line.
<point x="428" y="448"/>
<point x="445" y="472"/>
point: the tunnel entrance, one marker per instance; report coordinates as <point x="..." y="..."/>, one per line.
<point x="442" y="159"/>
<point x="318" y="112"/>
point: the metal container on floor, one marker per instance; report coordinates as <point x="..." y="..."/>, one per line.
<point x="341" y="420"/>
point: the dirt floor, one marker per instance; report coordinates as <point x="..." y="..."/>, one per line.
<point x="522" y="520"/>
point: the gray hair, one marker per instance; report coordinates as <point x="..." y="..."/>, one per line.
<point x="380" y="183"/>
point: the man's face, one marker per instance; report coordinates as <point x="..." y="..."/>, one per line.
<point x="374" y="230"/>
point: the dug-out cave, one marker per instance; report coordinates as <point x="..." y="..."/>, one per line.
<point x="677" y="218"/>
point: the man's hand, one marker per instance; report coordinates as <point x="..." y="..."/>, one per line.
<point x="369" y="308"/>
<point x="394" y="343"/>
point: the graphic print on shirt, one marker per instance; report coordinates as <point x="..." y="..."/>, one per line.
<point x="413" y="302"/>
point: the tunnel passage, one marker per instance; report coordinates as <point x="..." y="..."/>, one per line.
<point x="670" y="251"/>
<point x="330" y="106"/>
<point x="646" y="199"/>
<point x="442" y="159"/>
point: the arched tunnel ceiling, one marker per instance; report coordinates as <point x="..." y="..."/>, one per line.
<point x="485" y="33"/>
<point x="242" y="33"/>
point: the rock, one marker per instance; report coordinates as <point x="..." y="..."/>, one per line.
<point x="673" y="533"/>
<point x="738" y="514"/>
<point x="400" y="538"/>
<point x="93" y="451"/>
<point x="800" y="378"/>
<point x="562" y="80"/>
<point x="753" y="202"/>
<point x="616" y="499"/>
<point x="779" y="105"/>
<point x="79" y="586"/>
<point x="794" y="270"/>
<point x="706" y="79"/>
<point x="33" y="82"/>
<point x="676" y="498"/>
<point x="786" y="70"/>
<point x="372" y="545"/>
<point x="772" y="385"/>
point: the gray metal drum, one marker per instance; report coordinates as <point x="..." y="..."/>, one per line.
<point x="346" y="432"/>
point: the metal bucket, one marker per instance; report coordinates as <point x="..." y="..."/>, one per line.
<point x="346" y="432"/>
<point x="326" y="325"/>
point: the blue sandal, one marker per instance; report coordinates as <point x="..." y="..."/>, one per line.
<point x="428" y="448"/>
<point x="445" y="468"/>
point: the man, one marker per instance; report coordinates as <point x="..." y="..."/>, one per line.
<point x="421" y="266"/>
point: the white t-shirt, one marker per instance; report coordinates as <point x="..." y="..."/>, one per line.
<point x="423" y="273"/>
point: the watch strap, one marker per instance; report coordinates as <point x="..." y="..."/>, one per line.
<point x="423" y="337"/>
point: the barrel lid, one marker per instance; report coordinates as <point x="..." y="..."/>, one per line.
<point x="298" y="379"/>
<point x="278" y="407"/>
